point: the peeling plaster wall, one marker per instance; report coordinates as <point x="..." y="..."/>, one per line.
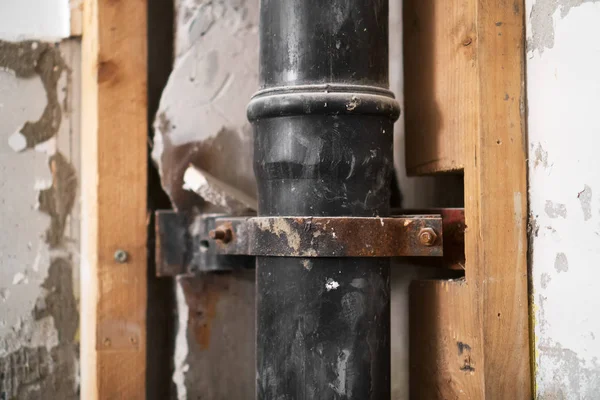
<point x="39" y="258"/>
<point x="563" y="89"/>
<point x="201" y="121"/>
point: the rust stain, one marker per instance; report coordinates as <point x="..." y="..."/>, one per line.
<point x="202" y="294"/>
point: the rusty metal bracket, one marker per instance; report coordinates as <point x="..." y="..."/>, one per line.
<point x="184" y="246"/>
<point x="330" y="236"/>
<point x="189" y="243"/>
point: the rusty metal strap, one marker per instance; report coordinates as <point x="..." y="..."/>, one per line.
<point x="415" y="235"/>
<point x="188" y="243"/>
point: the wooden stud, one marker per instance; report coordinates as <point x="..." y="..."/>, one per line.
<point x="441" y="77"/>
<point x="445" y="349"/>
<point x="496" y="183"/>
<point x="470" y="339"/>
<point x="114" y="167"/>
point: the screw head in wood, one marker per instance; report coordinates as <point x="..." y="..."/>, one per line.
<point x="121" y="256"/>
<point x="427" y="237"/>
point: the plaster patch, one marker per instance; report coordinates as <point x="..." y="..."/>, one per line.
<point x="542" y="22"/>
<point x="540" y="156"/>
<point x="202" y="115"/>
<point x="17" y="142"/>
<point x="48" y="147"/>
<point x="45" y="332"/>
<point x="42" y="184"/>
<point x="340" y="383"/>
<point x="284" y="230"/>
<point x="196" y="18"/>
<point x="545" y="280"/>
<point x="359" y="283"/>
<point x="181" y="343"/>
<point x="217" y="192"/>
<point x="20" y="279"/>
<point x="585" y="198"/>
<point x="29" y="332"/>
<point x="566" y="375"/>
<point x="561" y="263"/>
<point x="555" y="210"/>
<point x="542" y="322"/>
<point x="200" y="20"/>
<point x="38" y="259"/>
<point x="331" y="284"/>
<point x="533" y="227"/>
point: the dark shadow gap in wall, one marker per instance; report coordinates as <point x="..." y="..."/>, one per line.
<point x="449" y="192"/>
<point x="160" y="318"/>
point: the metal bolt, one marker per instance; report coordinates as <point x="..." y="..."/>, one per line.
<point x="121" y="256"/>
<point x="427" y="237"/>
<point x="222" y="233"/>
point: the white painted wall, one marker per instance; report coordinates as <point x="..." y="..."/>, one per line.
<point x="563" y="89"/>
<point x="34" y="19"/>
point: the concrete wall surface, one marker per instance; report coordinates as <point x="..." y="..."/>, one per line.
<point x="563" y="90"/>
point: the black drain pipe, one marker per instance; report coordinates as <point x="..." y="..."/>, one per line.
<point x="323" y="147"/>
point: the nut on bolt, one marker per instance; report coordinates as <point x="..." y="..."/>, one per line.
<point x="427" y="237"/>
<point x="222" y="233"/>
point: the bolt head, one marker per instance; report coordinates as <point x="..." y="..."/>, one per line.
<point x="427" y="237"/>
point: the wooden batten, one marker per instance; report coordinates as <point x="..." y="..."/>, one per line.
<point x="464" y="64"/>
<point x="114" y="168"/>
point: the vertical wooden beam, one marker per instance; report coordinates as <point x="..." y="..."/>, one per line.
<point x="496" y="183"/>
<point x="114" y="164"/>
<point x="441" y="76"/>
<point x="446" y="355"/>
<point x="470" y="339"/>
